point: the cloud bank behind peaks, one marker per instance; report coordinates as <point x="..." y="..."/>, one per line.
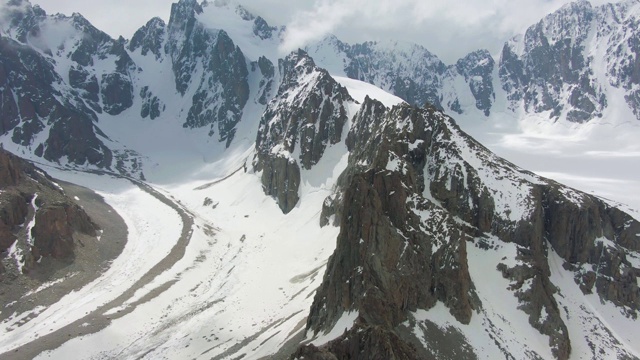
<point x="448" y="29"/>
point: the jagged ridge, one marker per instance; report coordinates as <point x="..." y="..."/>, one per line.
<point x="418" y="191"/>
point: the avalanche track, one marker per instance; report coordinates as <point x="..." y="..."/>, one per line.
<point x="100" y="318"/>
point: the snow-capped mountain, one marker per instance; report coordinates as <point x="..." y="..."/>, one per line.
<point x="204" y="79"/>
<point x="419" y="205"/>
<point x="271" y="170"/>
<point x="572" y="65"/>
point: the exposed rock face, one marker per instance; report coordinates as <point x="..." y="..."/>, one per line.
<point x="85" y="76"/>
<point x="29" y="196"/>
<point x="117" y="93"/>
<point x="152" y="107"/>
<point x="262" y="29"/>
<point x="149" y="38"/>
<point x="267" y="70"/>
<point x="477" y="69"/>
<point x="280" y="179"/>
<point x="54" y="228"/>
<point x="407" y="70"/>
<point x="412" y="73"/>
<point x="374" y="342"/>
<point x="554" y="67"/>
<point x="94" y="47"/>
<point x="223" y="88"/>
<point x="309" y="113"/>
<point x="562" y="66"/>
<point x="623" y="66"/>
<point x="45" y="101"/>
<point x="417" y="192"/>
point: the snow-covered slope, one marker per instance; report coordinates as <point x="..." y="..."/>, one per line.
<point x="244" y="285"/>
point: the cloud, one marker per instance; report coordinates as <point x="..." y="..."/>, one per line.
<point x="7" y="8"/>
<point x="115" y="17"/>
<point x="308" y="26"/>
<point x="449" y="29"/>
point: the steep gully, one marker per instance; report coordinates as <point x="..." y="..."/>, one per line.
<point x="98" y="319"/>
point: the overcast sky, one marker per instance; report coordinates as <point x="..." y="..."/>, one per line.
<point x="449" y="29"/>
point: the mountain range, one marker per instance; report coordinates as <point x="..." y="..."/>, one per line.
<point x="370" y="225"/>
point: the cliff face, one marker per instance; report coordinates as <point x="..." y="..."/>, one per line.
<point x="416" y="194"/>
<point x="308" y="114"/>
<point x="36" y="218"/>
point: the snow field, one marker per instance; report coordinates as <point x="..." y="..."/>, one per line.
<point x="151" y="237"/>
<point x="248" y="277"/>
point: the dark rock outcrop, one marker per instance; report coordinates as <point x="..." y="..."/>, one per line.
<point x="149" y="38"/>
<point x="477" y="69"/>
<point x="54" y="227"/>
<point x="281" y="179"/>
<point x="373" y="342"/>
<point x="308" y="113"/>
<point x="417" y="190"/>
<point x="152" y="107"/>
<point x="223" y="88"/>
<point x="32" y="101"/>
<point x="27" y="194"/>
<point x="117" y="93"/>
<point x="266" y="85"/>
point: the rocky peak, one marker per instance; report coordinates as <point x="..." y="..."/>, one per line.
<point x="477" y="69"/>
<point x="407" y="70"/>
<point x="149" y="38"/>
<point x="223" y="90"/>
<point x="307" y="115"/>
<point x="20" y="19"/>
<point x="262" y="29"/>
<point x="71" y="130"/>
<point x="245" y="14"/>
<point x="572" y="20"/>
<point x="554" y="72"/>
<point x="411" y="72"/>
<point x="417" y="193"/>
<point x="620" y="21"/>
<point x="181" y="25"/>
<point x="183" y="14"/>
<point x="222" y="86"/>
<point x="185" y="9"/>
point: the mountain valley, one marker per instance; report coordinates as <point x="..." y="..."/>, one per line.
<point x="334" y="202"/>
